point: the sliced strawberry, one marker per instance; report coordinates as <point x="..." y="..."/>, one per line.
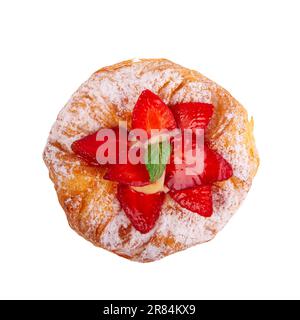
<point x="150" y="112"/>
<point x="192" y="115"/>
<point x="142" y="209"/>
<point x="197" y="199"/>
<point x="215" y="168"/>
<point x="131" y="174"/>
<point x="87" y="147"/>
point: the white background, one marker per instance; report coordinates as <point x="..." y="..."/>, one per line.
<point x="48" y="48"/>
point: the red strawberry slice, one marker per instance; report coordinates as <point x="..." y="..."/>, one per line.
<point x="215" y="168"/>
<point x="87" y="147"/>
<point x="192" y="115"/>
<point x="150" y="112"/>
<point x="131" y="174"/>
<point x="198" y="199"/>
<point x="142" y="209"/>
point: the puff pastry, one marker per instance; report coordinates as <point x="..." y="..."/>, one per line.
<point x="90" y="202"/>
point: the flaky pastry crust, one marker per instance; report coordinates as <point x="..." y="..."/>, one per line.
<point x="90" y="202"/>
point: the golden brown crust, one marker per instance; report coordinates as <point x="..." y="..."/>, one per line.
<point x="89" y="201"/>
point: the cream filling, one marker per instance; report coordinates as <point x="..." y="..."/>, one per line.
<point x="157" y="186"/>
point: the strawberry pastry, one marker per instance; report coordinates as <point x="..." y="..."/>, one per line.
<point x="149" y="158"/>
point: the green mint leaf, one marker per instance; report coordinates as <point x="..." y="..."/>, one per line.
<point x="157" y="157"/>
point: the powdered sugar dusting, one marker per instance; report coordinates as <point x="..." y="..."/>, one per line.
<point x="110" y="238"/>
